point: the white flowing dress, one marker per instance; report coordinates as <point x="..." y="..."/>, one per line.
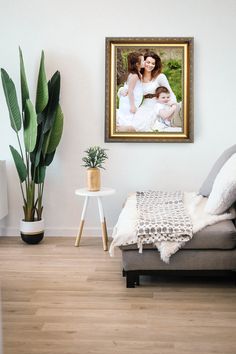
<point x="124" y="116"/>
<point x="145" y="116"/>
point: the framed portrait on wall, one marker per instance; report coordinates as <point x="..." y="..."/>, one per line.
<point x="149" y="90"/>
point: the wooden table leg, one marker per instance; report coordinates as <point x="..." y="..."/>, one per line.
<point x="78" y="237"/>
<point x="103" y="225"/>
<point x="104" y="235"/>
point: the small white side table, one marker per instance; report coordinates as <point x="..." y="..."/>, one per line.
<point x="87" y="194"/>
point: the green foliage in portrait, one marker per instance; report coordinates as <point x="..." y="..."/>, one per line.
<point x="173" y="71"/>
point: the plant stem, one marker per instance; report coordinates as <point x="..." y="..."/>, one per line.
<point x="22" y="191"/>
<point x="40" y="198"/>
<point x="19" y="145"/>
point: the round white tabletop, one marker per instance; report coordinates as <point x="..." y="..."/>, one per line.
<point x="102" y="192"/>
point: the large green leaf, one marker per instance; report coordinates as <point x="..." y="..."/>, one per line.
<point x="36" y="154"/>
<point x="42" y="87"/>
<point x="46" y="138"/>
<point x="56" y="131"/>
<point x="23" y="81"/>
<point x="54" y="93"/>
<point x="40" y="174"/>
<point x="20" y="165"/>
<point x="11" y="99"/>
<point x="48" y="158"/>
<point x="41" y="117"/>
<point x="30" y="126"/>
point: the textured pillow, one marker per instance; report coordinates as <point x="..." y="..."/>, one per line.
<point x="206" y="187"/>
<point x="223" y="193"/>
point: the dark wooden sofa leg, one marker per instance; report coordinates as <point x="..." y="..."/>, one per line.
<point x="132" y="279"/>
<point x="234" y="276"/>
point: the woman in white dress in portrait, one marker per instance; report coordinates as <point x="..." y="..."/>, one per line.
<point x="152" y="77"/>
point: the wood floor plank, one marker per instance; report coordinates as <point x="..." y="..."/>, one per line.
<point x="57" y="298"/>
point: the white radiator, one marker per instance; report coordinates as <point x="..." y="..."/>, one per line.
<point x="3" y="190"/>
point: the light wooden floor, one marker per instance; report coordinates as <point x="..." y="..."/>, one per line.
<point x="58" y="299"/>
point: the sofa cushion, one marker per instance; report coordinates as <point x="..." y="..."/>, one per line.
<point x="218" y="236"/>
<point x="207" y="185"/>
<point x="223" y="193"/>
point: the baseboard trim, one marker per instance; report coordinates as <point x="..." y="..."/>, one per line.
<point x="88" y="231"/>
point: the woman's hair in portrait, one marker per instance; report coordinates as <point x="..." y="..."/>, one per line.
<point x="134" y="58"/>
<point x="161" y="89"/>
<point x="158" y="65"/>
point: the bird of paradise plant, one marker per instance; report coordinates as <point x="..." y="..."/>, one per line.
<point x="38" y="129"/>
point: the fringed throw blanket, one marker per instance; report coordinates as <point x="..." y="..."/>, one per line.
<point x="125" y="231"/>
<point x="162" y="217"/>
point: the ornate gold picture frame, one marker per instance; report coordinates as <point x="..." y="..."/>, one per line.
<point x="149" y="90"/>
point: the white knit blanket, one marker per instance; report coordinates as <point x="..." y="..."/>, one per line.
<point x="124" y="232"/>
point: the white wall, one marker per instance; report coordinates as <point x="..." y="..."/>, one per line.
<point x="72" y="34"/>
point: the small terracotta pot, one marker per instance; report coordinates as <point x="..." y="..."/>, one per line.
<point x="93" y="179"/>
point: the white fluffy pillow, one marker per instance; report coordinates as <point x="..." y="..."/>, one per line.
<point x="223" y="193"/>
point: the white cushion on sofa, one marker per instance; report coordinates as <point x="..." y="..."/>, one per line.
<point x="223" y="193"/>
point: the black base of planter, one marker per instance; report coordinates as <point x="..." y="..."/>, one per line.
<point x="32" y="239"/>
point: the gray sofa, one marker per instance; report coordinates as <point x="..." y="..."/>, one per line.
<point x="212" y="249"/>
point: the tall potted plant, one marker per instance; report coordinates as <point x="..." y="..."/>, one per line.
<point x="41" y="126"/>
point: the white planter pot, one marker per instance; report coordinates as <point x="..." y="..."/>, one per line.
<point x="32" y="232"/>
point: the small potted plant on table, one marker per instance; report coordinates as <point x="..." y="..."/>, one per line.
<point x="94" y="159"/>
